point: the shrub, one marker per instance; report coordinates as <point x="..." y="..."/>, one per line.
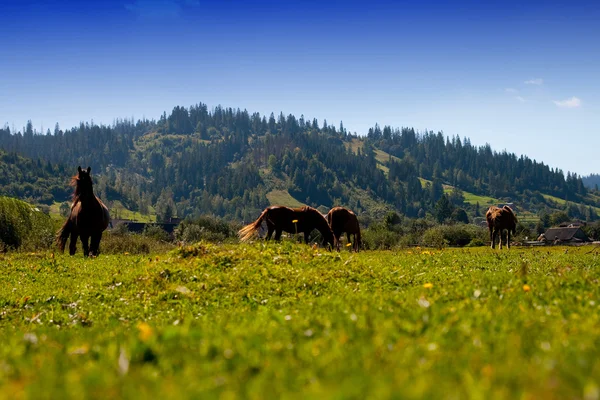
<point x="434" y="237"/>
<point x="454" y="235"/>
<point x="157" y="233"/>
<point x="476" y="242"/>
<point x="119" y="242"/>
<point x="205" y="228"/>
<point x="23" y="226"/>
<point x="409" y="240"/>
<point x="378" y="237"/>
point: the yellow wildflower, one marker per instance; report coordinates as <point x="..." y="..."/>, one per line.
<point x="294" y="221"/>
<point x="348" y="244"/>
<point x="526" y="288"/>
<point x="428" y="285"/>
<point x="145" y="331"/>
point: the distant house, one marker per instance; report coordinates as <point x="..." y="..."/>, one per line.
<point x="480" y="221"/>
<point x="566" y="235"/>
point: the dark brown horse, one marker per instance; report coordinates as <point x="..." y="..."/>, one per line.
<point x="500" y="219"/>
<point x="343" y="220"/>
<point x="88" y="219"/>
<point x="292" y="220"/>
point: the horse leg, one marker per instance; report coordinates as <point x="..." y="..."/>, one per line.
<point x="270" y="230"/>
<point x="73" y="244"/>
<point x="501" y="234"/>
<point x="492" y="238"/>
<point x="95" y="244"/>
<point x="508" y="239"/>
<point x="278" y="234"/>
<point x="85" y="244"/>
<point x="306" y="235"/>
<point x="494" y="234"/>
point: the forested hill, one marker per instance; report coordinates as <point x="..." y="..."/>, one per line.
<point x="592" y="181"/>
<point x="232" y="163"/>
<point x="36" y="181"/>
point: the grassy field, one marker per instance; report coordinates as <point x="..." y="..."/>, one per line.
<point x="285" y="320"/>
<point x="561" y="202"/>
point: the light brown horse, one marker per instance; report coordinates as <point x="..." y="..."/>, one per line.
<point x="88" y="219"/>
<point x="343" y="220"/>
<point x="292" y="220"/>
<point x="499" y="219"/>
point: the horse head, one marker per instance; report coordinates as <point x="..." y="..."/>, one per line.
<point x="83" y="183"/>
<point x="328" y="239"/>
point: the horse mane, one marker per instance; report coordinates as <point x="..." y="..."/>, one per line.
<point x="73" y="182"/>
<point x="311" y="210"/>
<point x="320" y="219"/>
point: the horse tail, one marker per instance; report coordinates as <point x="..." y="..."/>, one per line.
<point x="63" y="234"/>
<point x="248" y="231"/>
<point x="329" y="217"/>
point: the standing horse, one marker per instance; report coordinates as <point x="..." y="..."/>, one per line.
<point x="89" y="217"/>
<point x="292" y="220"/>
<point x="499" y="219"/>
<point x="343" y="220"/>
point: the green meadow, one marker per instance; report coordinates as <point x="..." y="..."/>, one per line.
<point x="288" y="321"/>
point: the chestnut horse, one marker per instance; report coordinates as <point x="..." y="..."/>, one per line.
<point x="292" y="220"/>
<point x="89" y="217"/>
<point x="499" y="219"/>
<point x="343" y="220"/>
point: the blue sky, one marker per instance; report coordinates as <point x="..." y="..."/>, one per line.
<point x="521" y="76"/>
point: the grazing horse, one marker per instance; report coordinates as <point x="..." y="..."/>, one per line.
<point x="499" y="219"/>
<point x="343" y="220"/>
<point x="292" y="220"/>
<point x="89" y="217"/>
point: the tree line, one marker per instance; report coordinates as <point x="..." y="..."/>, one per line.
<point x="225" y="161"/>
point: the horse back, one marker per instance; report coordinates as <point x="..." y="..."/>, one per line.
<point x="344" y="219"/>
<point x="502" y="218"/>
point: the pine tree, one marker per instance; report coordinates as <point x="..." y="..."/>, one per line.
<point x="443" y="209"/>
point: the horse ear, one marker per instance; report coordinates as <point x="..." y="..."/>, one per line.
<point x="89" y="169"/>
<point x="79" y="169"/>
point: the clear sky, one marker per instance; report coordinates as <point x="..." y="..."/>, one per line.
<point x="522" y="76"/>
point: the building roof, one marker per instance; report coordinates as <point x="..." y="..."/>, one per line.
<point x="565" y="234"/>
<point x="572" y="224"/>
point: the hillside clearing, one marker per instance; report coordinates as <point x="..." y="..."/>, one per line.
<point x="282" y="198"/>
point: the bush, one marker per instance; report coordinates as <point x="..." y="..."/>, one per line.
<point x="409" y="240"/>
<point x="23" y="226"/>
<point x="454" y="235"/>
<point x="205" y="228"/>
<point x="378" y="237"/>
<point x="157" y="233"/>
<point x="117" y="242"/>
<point x="476" y="242"/>
<point x="434" y="237"/>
